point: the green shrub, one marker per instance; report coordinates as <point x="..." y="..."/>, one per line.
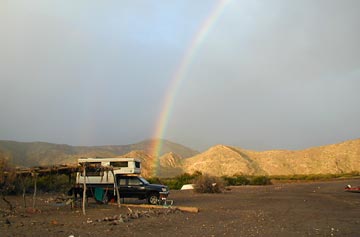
<point x="351" y="174"/>
<point x="180" y="180"/>
<point x="53" y="183"/>
<point x="23" y="183"/>
<point x="235" y="180"/>
<point x="208" y="184"/>
<point x="260" y="180"/>
<point x="314" y="177"/>
<point x="155" y="180"/>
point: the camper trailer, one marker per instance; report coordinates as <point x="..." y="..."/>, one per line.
<point x="102" y="170"/>
<point x="104" y="175"/>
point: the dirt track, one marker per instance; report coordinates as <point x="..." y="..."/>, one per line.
<point x="305" y="209"/>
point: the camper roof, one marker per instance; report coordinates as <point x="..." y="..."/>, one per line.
<point x="114" y="159"/>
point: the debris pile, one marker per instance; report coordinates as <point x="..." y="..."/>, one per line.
<point x="122" y="218"/>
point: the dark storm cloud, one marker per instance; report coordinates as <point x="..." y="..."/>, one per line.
<point x="269" y="74"/>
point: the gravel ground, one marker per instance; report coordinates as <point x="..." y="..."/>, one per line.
<point x="297" y="209"/>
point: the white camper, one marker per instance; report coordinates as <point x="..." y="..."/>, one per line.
<point x="97" y="172"/>
<point x="99" y="181"/>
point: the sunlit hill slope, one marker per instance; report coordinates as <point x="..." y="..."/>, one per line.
<point x="176" y="159"/>
<point x="227" y="160"/>
<point x="41" y="153"/>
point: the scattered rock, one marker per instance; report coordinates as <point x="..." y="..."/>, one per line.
<point x="54" y="222"/>
<point x="117" y="219"/>
<point x="31" y="210"/>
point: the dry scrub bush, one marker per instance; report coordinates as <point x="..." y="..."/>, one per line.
<point x="208" y="184"/>
<point x="7" y="178"/>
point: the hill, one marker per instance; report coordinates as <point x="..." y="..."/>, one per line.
<point x="176" y="159"/>
<point x="170" y="165"/>
<point x="227" y="160"/>
<point x="29" y="154"/>
<point x="222" y="160"/>
<point x="147" y="162"/>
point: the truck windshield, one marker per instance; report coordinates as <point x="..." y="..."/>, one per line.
<point x="144" y="180"/>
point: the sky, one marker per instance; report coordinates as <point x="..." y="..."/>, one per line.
<point x="265" y="74"/>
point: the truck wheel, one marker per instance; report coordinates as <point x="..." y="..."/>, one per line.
<point x="153" y="198"/>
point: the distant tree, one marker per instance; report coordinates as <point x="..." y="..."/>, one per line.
<point x="7" y="178"/>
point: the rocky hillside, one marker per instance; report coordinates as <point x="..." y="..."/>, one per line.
<point x="218" y="160"/>
<point x="148" y="162"/>
<point x="222" y="160"/>
<point x="226" y="160"/>
<point x="29" y="154"/>
<point x="170" y="165"/>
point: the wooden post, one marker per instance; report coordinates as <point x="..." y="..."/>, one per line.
<point x="69" y="176"/>
<point x="117" y="188"/>
<point x="84" y="191"/>
<point x="23" y="195"/>
<point x="35" y="189"/>
<point x="23" y="184"/>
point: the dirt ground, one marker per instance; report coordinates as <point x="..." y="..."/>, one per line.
<point x="297" y="209"/>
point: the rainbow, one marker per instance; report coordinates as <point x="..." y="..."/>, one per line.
<point x="179" y="75"/>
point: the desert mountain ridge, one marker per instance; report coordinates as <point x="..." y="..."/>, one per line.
<point x="28" y="154"/>
<point x="229" y="160"/>
<point x="218" y="160"/>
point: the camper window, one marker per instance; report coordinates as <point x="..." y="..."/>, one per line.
<point x="93" y="169"/>
<point x="119" y="164"/>
<point x="137" y="164"/>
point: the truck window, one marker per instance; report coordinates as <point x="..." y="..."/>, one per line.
<point x="122" y="181"/>
<point x="134" y="181"/>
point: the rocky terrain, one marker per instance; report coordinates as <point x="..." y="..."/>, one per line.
<point x="41" y="153"/>
<point x="227" y="160"/>
<point x="298" y="209"/>
<point x="219" y="160"/>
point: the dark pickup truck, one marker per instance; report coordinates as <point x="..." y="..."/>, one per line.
<point x="130" y="186"/>
<point x="138" y="187"/>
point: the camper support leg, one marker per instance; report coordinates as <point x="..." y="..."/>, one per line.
<point x="23" y="196"/>
<point x="84" y="191"/>
<point x="23" y="180"/>
<point x="116" y="188"/>
<point x="35" y="189"/>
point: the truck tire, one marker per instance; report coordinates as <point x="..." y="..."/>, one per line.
<point x="153" y="198"/>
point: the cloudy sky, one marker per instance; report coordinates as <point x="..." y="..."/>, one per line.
<point x="268" y="74"/>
